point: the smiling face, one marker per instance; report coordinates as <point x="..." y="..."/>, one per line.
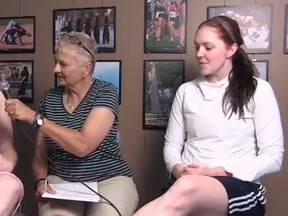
<point x="212" y="54"/>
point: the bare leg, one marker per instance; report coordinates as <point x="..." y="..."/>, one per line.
<point x="160" y="26"/>
<point x="190" y="195"/>
<point x="171" y="28"/>
<point x="183" y="23"/>
<point x="11" y="195"/>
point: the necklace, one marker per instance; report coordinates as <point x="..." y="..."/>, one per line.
<point x="67" y="100"/>
<point x="69" y="105"/>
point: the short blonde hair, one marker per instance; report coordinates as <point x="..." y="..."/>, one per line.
<point x="86" y="44"/>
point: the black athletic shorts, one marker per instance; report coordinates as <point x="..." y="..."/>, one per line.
<point x="245" y="198"/>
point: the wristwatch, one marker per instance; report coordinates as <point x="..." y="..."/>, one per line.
<point x="38" y="120"/>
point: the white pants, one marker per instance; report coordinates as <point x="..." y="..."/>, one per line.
<point x="120" y="190"/>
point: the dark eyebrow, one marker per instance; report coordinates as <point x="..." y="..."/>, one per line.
<point x="206" y="43"/>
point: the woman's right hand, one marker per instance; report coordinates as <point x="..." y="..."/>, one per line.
<point x="16" y="109"/>
<point x="41" y="189"/>
<point x="178" y="171"/>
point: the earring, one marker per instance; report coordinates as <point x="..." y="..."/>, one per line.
<point x="84" y="76"/>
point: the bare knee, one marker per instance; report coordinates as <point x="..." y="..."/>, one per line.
<point x="11" y="185"/>
<point x="193" y="196"/>
<point x="184" y="189"/>
<point x="190" y="191"/>
<point x="186" y="185"/>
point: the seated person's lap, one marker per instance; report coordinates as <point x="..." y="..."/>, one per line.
<point x="119" y="190"/>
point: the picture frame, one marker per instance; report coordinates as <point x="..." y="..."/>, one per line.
<point x="109" y="71"/>
<point x="98" y="22"/>
<point x="161" y="81"/>
<point x="159" y="36"/>
<point x="255" y="23"/>
<point x="17" y="34"/>
<point x="285" y="44"/>
<point x="263" y="68"/>
<point x="19" y="75"/>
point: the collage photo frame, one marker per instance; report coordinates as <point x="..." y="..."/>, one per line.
<point x="109" y="71"/>
<point x="255" y="22"/>
<point x="263" y="68"/>
<point x="98" y="22"/>
<point x="161" y="81"/>
<point x="19" y="75"/>
<point x="17" y="34"/>
<point x="285" y="42"/>
<point x="165" y="26"/>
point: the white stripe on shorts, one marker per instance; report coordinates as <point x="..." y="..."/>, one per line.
<point x="247" y="202"/>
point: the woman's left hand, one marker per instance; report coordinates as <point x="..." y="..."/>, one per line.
<point x="18" y="110"/>
<point x="197" y="169"/>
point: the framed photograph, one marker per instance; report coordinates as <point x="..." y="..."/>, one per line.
<point x="262" y="66"/>
<point x="98" y="22"/>
<point x="285" y="45"/>
<point x="17" y="34"/>
<point x="19" y="74"/>
<point x="109" y="71"/>
<point x="165" y="26"/>
<point x="161" y="81"/>
<point x="255" y="23"/>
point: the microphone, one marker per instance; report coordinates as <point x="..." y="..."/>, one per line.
<point x="5" y="88"/>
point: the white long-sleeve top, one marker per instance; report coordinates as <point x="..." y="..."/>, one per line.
<point x="198" y="131"/>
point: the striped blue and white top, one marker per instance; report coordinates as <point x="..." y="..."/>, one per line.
<point x="105" y="161"/>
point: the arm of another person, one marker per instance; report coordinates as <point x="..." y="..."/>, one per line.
<point x="178" y="5"/>
<point x="269" y="135"/>
<point x="78" y="142"/>
<point x="175" y="135"/>
<point x="8" y="156"/>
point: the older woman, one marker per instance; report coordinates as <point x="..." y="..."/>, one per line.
<point x="77" y="128"/>
<point x="11" y="188"/>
